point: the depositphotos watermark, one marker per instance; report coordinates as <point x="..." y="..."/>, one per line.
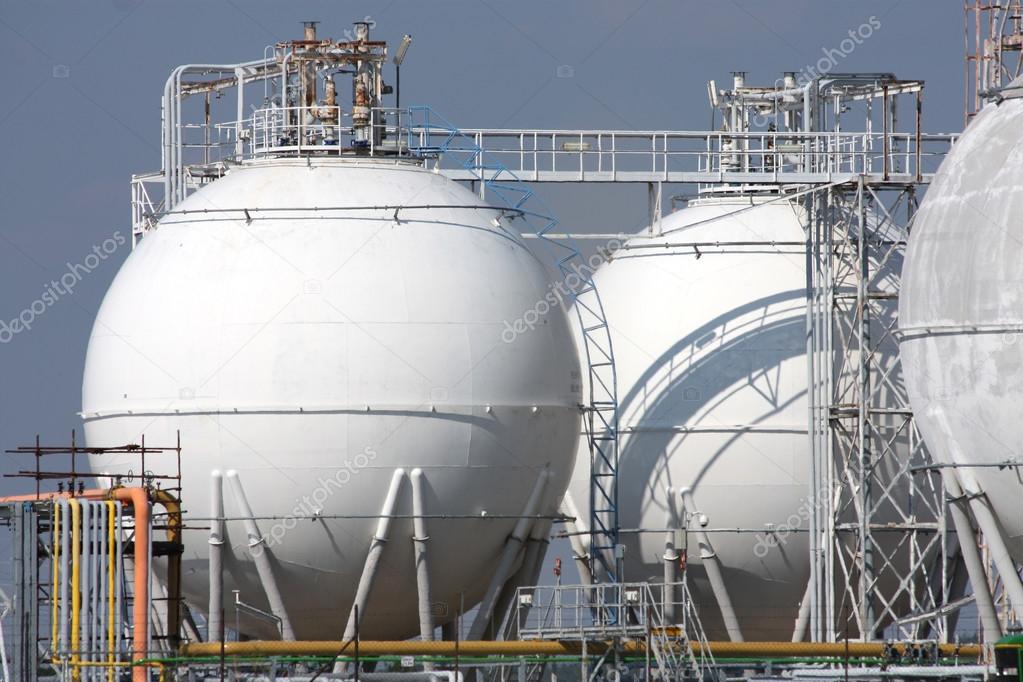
<point x="311" y="506"/>
<point x="780" y="534"/>
<point x="834" y="55"/>
<point x="58" y="288"/>
<point x="558" y="291"/>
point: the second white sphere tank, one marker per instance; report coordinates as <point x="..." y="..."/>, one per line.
<point x="315" y="350"/>
<point x="961" y="311"/>
<point x="711" y="362"/>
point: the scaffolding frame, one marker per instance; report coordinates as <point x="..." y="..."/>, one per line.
<point x="880" y="538"/>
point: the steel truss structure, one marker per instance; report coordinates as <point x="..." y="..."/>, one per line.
<point x="880" y="542"/>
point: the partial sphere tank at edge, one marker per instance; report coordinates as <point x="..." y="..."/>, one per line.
<point x="315" y="350"/>
<point x="961" y="311"/>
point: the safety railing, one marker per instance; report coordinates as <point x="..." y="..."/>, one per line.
<point x="693" y="156"/>
<point x="601" y="610"/>
<point x="312" y="130"/>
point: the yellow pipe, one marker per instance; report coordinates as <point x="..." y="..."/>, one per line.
<point x="111" y="597"/>
<point x="54" y="590"/>
<point x="753" y="650"/>
<point x="76" y="598"/>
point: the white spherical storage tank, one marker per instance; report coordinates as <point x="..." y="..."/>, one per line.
<point x="299" y="329"/>
<point x="710" y="354"/>
<point x="961" y="311"/>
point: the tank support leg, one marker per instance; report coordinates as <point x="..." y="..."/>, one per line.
<point x="213" y="630"/>
<point x="511" y="552"/>
<point x="528" y="573"/>
<point x="259" y="553"/>
<point x="999" y="552"/>
<point x="420" y="537"/>
<point x="803" y="619"/>
<point x="670" y="558"/>
<point x="376" y="548"/>
<point x="577" y="538"/>
<point x="712" y="565"/>
<point x="971" y="558"/>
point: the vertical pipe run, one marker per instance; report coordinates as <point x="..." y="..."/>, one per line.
<point x="712" y="565"/>
<point x="420" y="538"/>
<point x="65" y="575"/>
<point x="54" y="590"/>
<point x="76" y="577"/>
<point x="511" y="551"/>
<point x="258" y="552"/>
<point x="138" y="498"/>
<point x="86" y="583"/>
<point x="216" y="566"/>
<point x="112" y="517"/>
<point x="376" y="548"/>
<point x="118" y="586"/>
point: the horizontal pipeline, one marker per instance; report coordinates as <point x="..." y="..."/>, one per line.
<point x="752" y="650"/>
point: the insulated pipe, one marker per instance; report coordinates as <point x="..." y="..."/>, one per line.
<point x="749" y="650"/>
<point x="420" y="538"/>
<point x="216" y="566"/>
<point x="376" y="548"/>
<point x="712" y="565"/>
<point x="258" y="552"/>
<point x="511" y="551"/>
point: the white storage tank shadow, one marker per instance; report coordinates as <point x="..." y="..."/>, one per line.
<point x="711" y="361"/>
<point x="710" y="348"/>
<point x="317" y="351"/>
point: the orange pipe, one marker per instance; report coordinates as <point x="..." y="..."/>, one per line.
<point x="139" y="500"/>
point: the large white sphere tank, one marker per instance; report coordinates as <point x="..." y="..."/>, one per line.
<point x="315" y="351"/>
<point x="710" y="356"/>
<point x="961" y="310"/>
